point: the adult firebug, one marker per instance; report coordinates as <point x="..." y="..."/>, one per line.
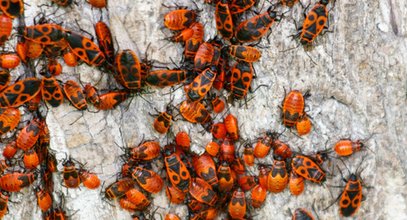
<point x="256" y="27"/>
<point x="224" y="22"/>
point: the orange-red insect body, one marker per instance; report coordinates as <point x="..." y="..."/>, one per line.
<point x="347" y="147"/>
<point x="255" y="27"/>
<point x="179" y="19"/>
<point x="128" y="69"/>
<point x="293" y="108"/>
<point x="29" y="135"/>
<point x="224" y="22"/>
<point x="14" y="182"/>
<point x="314" y="22"/>
<point x="20" y="92"/>
<point x="237" y="205"/>
<point x="177" y="172"/>
<point x="244" y="53"/>
<point x="202" y="84"/>
<point x="205" y="168"/>
<point x="308" y="169"/>
<point x="85" y="49"/>
<point x="149" y="180"/>
<point x="203" y="192"/>
<point x="232" y="126"/>
<point x="105" y="40"/>
<point x="75" y="95"/>
<point x="9" y="119"/>
<point x="278" y="177"/>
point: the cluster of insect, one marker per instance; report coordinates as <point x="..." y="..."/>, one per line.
<point x="217" y="180"/>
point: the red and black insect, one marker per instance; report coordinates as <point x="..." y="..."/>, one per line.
<point x="256" y="27"/>
<point x="29" y="135"/>
<point x="203" y="192"/>
<point x="33" y="49"/>
<point x="232" y="127"/>
<point x="205" y="168"/>
<point x="146" y="151"/>
<point x="12" y="8"/>
<point x="192" y="44"/>
<point x="128" y="70"/>
<point x="263" y="175"/>
<point x="293" y="108"/>
<point x="202" y="84"/>
<point x="118" y="189"/>
<point x="137" y="198"/>
<point x="105" y="40"/>
<point x="263" y="145"/>
<point x="227" y="150"/>
<point x="9" y="119"/>
<point x="278" y="177"/>
<point x="183" y="140"/>
<point x="259" y="195"/>
<point x="70" y="58"/>
<point x="194" y="112"/>
<point x="45" y="34"/>
<point x="174" y="195"/>
<point x="177" y="172"/>
<point x="212" y="148"/>
<point x="218" y="105"/>
<point x="163" y="120"/>
<point x="51" y="90"/>
<point x="208" y="54"/>
<point x="85" y="49"/>
<point x="75" y="95"/>
<point x="237" y="205"/>
<point x="20" y="92"/>
<point x="314" y="23"/>
<point x="304" y="126"/>
<point x="240" y="6"/>
<point x="149" y="180"/>
<point x="9" y="60"/>
<point x="246" y="182"/>
<point x="54" y="67"/>
<point x="164" y="78"/>
<point x="224" y="21"/>
<point x="70" y="174"/>
<point x="10" y="150"/>
<point x="110" y="100"/>
<point x="218" y="131"/>
<point x="225" y="177"/>
<point x="241" y="79"/>
<point x="308" y="169"/>
<point x="296" y="184"/>
<point x="248" y="155"/>
<point x="30" y="159"/>
<point x="179" y="19"/>
<point x="14" y="182"/>
<point x="44" y="199"/>
<point x="244" y="53"/>
<point x="347" y="147"/>
<point x="281" y="149"/>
